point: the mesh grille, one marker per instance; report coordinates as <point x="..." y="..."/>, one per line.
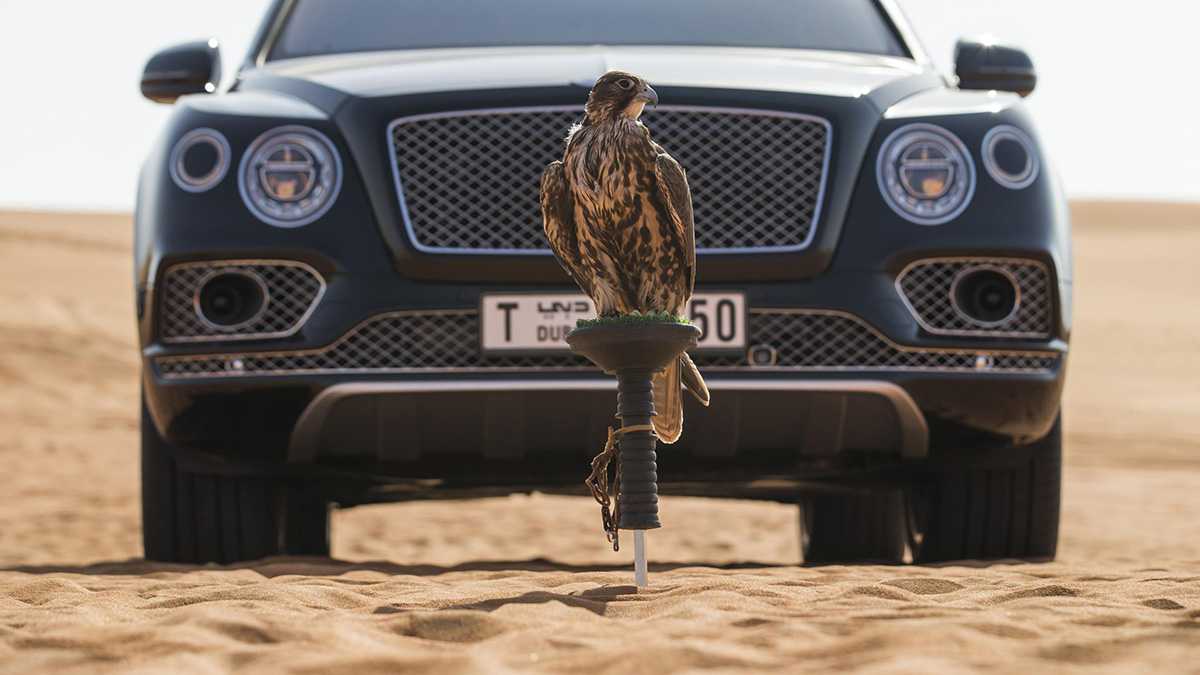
<point x="442" y="341"/>
<point x="927" y="288"/>
<point x="469" y="181"/>
<point x="823" y="340"/>
<point x="292" y="292"/>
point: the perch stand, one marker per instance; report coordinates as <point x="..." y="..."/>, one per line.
<point x="633" y="352"/>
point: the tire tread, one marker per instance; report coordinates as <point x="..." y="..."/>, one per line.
<point x="203" y="518"/>
<point x="993" y="512"/>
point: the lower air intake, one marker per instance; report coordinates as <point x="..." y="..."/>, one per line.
<point x="287" y="292"/>
<point x="933" y="290"/>
<point x="448" y="341"/>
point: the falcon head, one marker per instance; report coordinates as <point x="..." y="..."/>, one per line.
<point x="619" y="94"/>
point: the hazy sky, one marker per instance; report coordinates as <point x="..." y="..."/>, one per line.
<point x="1118" y="102"/>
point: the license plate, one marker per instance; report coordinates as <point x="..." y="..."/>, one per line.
<point x="528" y="322"/>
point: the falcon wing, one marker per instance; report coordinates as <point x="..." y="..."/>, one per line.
<point x="673" y="188"/>
<point x="558" y="217"/>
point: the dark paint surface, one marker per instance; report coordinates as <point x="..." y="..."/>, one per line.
<point x="361" y="248"/>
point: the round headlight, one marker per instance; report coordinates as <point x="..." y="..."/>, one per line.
<point x="290" y="176"/>
<point x="1009" y="157"/>
<point x="199" y="160"/>
<point x="926" y="174"/>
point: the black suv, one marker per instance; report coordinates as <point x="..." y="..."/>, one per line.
<point x="345" y="296"/>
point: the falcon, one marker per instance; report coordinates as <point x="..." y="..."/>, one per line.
<point x="618" y="216"/>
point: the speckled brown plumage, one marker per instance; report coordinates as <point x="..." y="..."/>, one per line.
<point x="618" y="215"/>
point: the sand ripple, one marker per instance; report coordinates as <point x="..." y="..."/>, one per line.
<point x="321" y="616"/>
<point x="526" y="584"/>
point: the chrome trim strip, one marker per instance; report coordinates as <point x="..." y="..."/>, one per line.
<point x="227" y="337"/>
<point x="272" y="34"/>
<point x="412" y="236"/>
<point x="303" y="444"/>
<point x="981" y="262"/>
<point x="909" y="36"/>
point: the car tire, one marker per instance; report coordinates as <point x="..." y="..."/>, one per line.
<point x="844" y="527"/>
<point x="990" y="505"/>
<point x="190" y="517"/>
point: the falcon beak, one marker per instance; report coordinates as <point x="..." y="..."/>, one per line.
<point x="648" y="95"/>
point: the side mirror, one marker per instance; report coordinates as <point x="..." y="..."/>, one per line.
<point x="980" y="65"/>
<point x="189" y="68"/>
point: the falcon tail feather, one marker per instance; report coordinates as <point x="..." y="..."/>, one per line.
<point x="693" y="381"/>
<point x="668" y="404"/>
<point x="668" y="396"/>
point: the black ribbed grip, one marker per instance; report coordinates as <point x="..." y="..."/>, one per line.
<point x="639" y="467"/>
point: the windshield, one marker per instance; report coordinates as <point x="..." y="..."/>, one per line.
<point x="338" y="26"/>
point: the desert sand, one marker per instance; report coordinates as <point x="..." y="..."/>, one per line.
<point x="526" y="583"/>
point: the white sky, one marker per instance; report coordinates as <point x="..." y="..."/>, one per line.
<point x="1118" y="103"/>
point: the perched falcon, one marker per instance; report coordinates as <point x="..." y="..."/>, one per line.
<point x="618" y="214"/>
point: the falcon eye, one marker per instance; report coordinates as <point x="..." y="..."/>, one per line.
<point x="625" y="83"/>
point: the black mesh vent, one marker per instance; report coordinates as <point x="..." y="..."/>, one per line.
<point x="446" y="341"/>
<point x="292" y="290"/>
<point x="928" y="288"/>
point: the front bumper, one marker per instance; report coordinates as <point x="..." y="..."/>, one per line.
<point x="840" y="379"/>
<point x="389" y="438"/>
<point x="406" y="396"/>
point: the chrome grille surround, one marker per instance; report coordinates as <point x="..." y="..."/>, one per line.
<point x="468" y="181"/>
<point x="927" y="289"/>
<point x="292" y="291"/>
<point x="447" y="341"/>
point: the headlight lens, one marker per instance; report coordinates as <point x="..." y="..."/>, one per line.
<point x="199" y="160"/>
<point x="926" y="174"/>
<point x="1010" y="158"/>
<point x="290" y="176"/>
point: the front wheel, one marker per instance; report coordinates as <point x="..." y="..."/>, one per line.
<point x="990" y="505"/>
<point x="192" y="517"/>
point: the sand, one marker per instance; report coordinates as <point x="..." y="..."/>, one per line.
<point x="526" y="584"/>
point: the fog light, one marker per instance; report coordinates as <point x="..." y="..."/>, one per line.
<point x="230" y="300"/>
<point x="985" y="296"/>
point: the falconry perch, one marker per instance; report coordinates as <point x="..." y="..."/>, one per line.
<point x="618" y="215"/>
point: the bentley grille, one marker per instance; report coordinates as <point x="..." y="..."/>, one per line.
<point x="468" y="181"/>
